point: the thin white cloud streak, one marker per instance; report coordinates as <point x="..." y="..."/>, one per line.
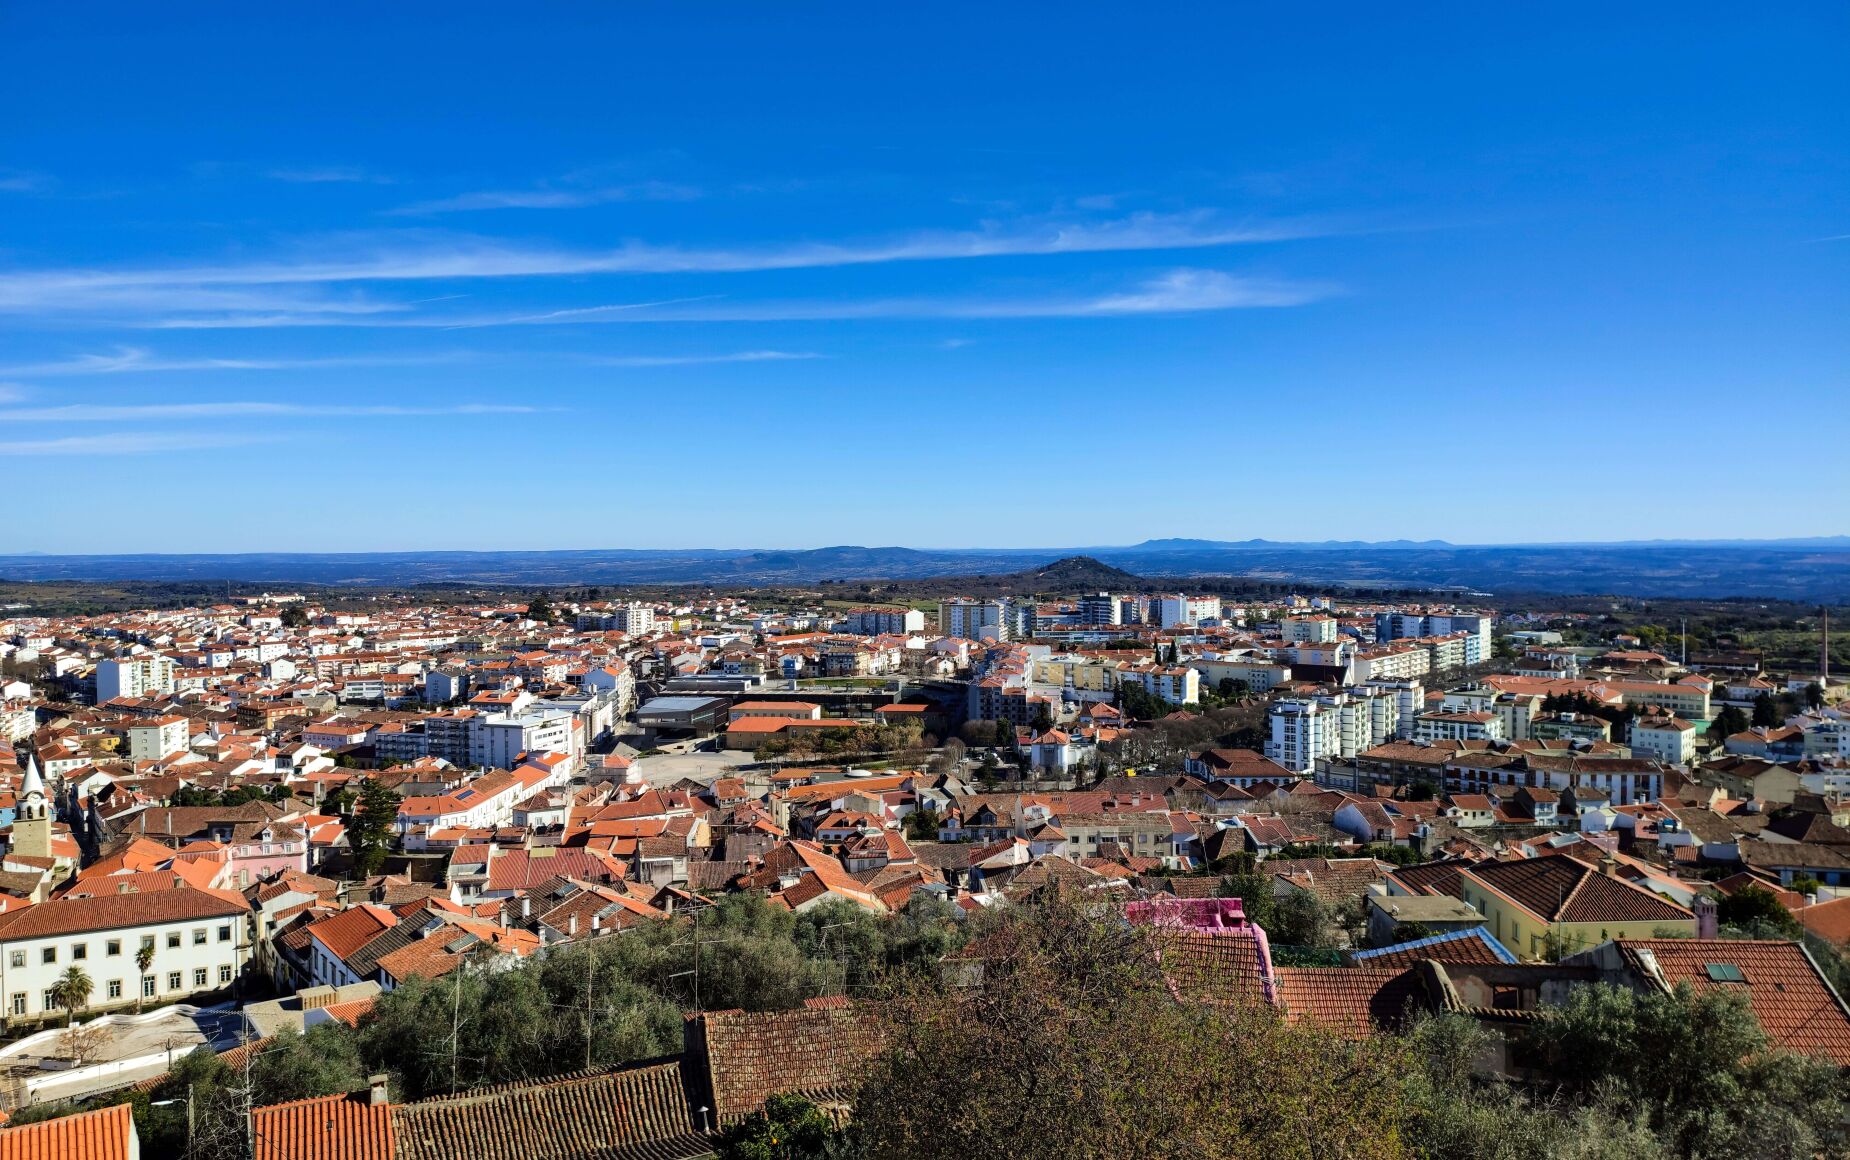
<point x="13" y="392"/>
<point x="125" y="443"/>
<point x="490" y="258"/>
<point x="548" y="198"/>
<point x="327" y="175"/>
<point x="130" y="360"/>
<point x="1175" y="292"/>
<point x="24" y="181"/>
<point x="744" y="356"/>
<point x="245" y="409"/>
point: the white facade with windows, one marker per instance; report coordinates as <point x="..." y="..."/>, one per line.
<point x="201" y="944"/>
<point x="133" y="677"/>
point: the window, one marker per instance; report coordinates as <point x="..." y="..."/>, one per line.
<point x="115" y="988"/>
<point x="19" y="1002"/>
<point x="80" y="951"/>
<point x="147" y="942"/>
<point x="224" y="933"/>
<point x="147" y="986"/>
<point x="199" y="937"/>
<point x="113" y="947"/>
<point x="48" y="955"/>
<point x="1725" y="973"/>
<point x="199" y="976"/>
<point x="224" y="973"/>
<point x="16" y="960"/>
<point x="173" y="980"/>
<point x="173" y="940"/>
<point x="47" y="1001"/>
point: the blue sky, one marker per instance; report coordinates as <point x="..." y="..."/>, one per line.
<point x="393" y="277"/>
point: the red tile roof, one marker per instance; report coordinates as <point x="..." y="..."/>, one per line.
<point x="1557" y="888"/>
<point x="1797" y="1009"/>
<point x="1352" y="1001"/>
<point x="105" y="1134"/>
<point x="817" y="1051"/>
<point x="340" y="1127"/>
<point x="61" y="916"/>
<point x="632" y="1114"/>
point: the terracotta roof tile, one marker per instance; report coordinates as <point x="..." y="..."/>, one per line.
<point x="105" y="1134"/>
<point x="1797" y="1009"/>
<point x="339" y="1127"/>
<point x="816" y="1051"/>
<point x="639" y="1113"/>
<point x="1354" y="1002"/>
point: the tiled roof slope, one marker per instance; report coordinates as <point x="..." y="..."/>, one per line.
<point x="639" y="1113"/>
<point x="817" y="1051"/>
<point x="1350" y="1001"/>
<point x="1562" y="889"/>
<point x="105" y="1134"/>
<point x="339" y="1127"/>
<point x="1796" y="1007"/>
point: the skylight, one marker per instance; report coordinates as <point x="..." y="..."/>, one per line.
<point x="1725" y="973"/>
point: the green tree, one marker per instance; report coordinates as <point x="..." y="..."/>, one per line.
<point x="1766" y="711"/>
<point x="1079" y="1048"/>
<point x="369" y="829"/>
<point x="788" y="1128"/>
<point x="1731" y="720"/>
<point x="144" y="960"/>
<point x="1696" y="1067"/>
<point x="72" y="991"/>
<point x="1755" y="906"/>
<point x="294" y="616"/>
<point x="540" y="609"/>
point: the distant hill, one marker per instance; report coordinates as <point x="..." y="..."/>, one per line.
<point x="1079" y="574"/>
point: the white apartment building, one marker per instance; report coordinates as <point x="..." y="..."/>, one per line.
<point x="1392" y="662"/>
<point x="1458" y="726"/>
<point x="133" y="677"/>
<point x="1668" y="739"/>
<point x="1259" y="674"/>
<point x="497" y="740"/>
<point x="883" y="622"/>
<point x="977" y="619"/>
<point x="1416" y="623"/>
<point x="201" y="942"/>
<point x="1409" y="703"/>
<point x="634" y="619"/>
<point x="157" y="737"/>
<point x="1308" y="629"/>
<point x="1299" y="734"/>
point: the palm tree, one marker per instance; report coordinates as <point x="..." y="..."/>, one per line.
<point x="144" y="959"/>
<point x="71" y="991"/>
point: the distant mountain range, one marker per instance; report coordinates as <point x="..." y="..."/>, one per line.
<point x="1811" y="569"/>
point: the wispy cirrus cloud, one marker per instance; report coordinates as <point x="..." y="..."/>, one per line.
<point x="327" y="175"/>
<point x="678" y="360"/>
<point x="25" y="181"/>
<point x="247" y="409"/>
<point x="549" y="197"/>
<point x="1179" y="291"/>
<point x="13" y="392"/>
<point x="131" y="359"/>
<point x="420" y="257"/>
<point x="123" y="443"/>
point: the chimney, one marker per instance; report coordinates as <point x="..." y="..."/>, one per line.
<point x="596" y="922"/>
<point x="376" y="1095"/>
<point x="315" y="998"/>
<point x="526" y="906"/>
<point x="571" y="927"/>
<point x="1609" y="866"/>
<point x="1707" y="913"/>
